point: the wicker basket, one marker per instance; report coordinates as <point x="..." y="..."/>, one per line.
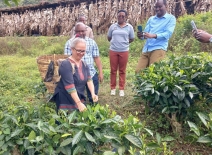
<point x="43" y="63"/>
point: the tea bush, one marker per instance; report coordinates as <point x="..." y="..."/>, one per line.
<point x="172" y="86"/>
<point x="202" y="134"/>
<point x="38" y="130"/>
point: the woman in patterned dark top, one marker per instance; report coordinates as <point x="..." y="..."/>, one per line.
<point x="69" y="93"/>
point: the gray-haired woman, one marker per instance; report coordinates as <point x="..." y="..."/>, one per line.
<point x="69" y="93"/>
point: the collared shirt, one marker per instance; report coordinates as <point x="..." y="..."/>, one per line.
<point x="92" y="51"/>
<point x="163" y="27"/>
<point x="120" y="37"/>
<point x="88" y="33"/>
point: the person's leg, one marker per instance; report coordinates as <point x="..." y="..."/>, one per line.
<point x="113" y="68"/>
<point x="143" y="62"/>
<point x="156" y="56"/>
<point x="122" y="62"/>
<point x="96" y="88"/>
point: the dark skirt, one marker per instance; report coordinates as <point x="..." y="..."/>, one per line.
<point x="64" y="101"/>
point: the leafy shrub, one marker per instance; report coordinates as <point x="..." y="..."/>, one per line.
<point x="171" y="86"/>
<point x="202" y="134"/>
<point x="38" y="130"/>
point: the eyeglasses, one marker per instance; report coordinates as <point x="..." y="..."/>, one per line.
<point x="79" y="51"/>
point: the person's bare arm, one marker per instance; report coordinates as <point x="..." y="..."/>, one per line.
<point x="91" y="88"/>
<point x="99" y="66"/>
<point x="149" y="35"/>
<point x="109" y="38"/>
<point x="131" y="40"/>
<point x="79" y="104"/>
<point x="202" y="36"/>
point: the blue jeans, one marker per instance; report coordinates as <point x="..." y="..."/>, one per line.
<point x="95" y="79"/>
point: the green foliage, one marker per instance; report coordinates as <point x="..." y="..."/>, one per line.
<point x="171" y="86"/>
<point x="32" y="46"/>
<point x="182" y="40"/>
<point x="39" y="130"/>
<point x="103" y="45"/>
<point x="136" y="47"/>
<point x="202" y="134"/>
<point x="8" y="2"/>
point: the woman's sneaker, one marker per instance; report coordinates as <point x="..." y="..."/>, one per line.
<point x="121" y="92"/>
<point x="113" y="92"/>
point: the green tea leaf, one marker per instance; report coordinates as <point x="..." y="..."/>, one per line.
<point x="135" y="140"/>
<point x="7" y="131"/>
<point x="66" y="142"/>
<point x="187" y="102"/>
<point x="80" y="124"/>
<point x="204" y="139"/>
<point x="39" y="138"/>
<point x="178" y="87"/>
<point x="66" y="135"/>
<point x="181" y="95"/>
<point x="191" y="95"/>
<point x="72" y="116"/>
<point x="89" y="148"/>
<point x="77" y="137"/>
<point x="149" y="131"/>
<point x="164" y="110"/>
<point x="51" y="128"/>
<point x="16" y="132"/>
<point x="56" y="138"/>
<point x="77" y="150"/>
<point x="158" y="137"/>
<point x="121" y="150"/>
<point x="97" y="133"/>
<point x="168" y="139"/>
<point x="203" y="118"/>
<point x="32" y="135"/>
<point x="109" y="153"/>
<point x="90" y="138"/>
<point x="194" y="128"/>
<point x="152" y="145"/>
<point x="165" y="89"/>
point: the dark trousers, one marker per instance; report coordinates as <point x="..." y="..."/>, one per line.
<point x="96" y="88"/>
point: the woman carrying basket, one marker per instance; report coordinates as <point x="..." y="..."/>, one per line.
<point x="69" y="93"/>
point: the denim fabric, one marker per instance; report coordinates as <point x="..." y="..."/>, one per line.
<point x="95" y="79"/>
